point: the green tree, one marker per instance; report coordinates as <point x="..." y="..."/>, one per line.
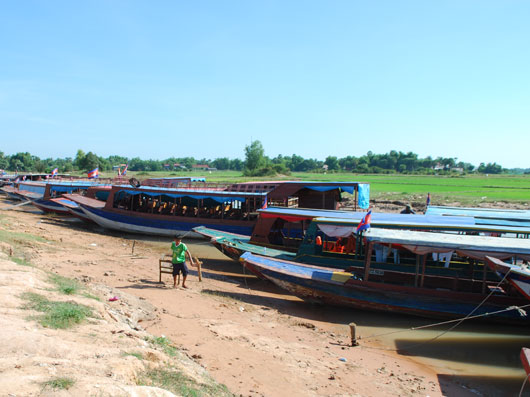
<point x="79" y="159"/>
<point x="89" y="162"/>
<point x="254" y="157"/>
<point x="4" y="161"/>
<point x="332" y="162"/>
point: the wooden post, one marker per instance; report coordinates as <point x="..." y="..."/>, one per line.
<point x="199" y="270"/>
<point x="367" y="260"/>
<point x="423" y="262"/>
<point x="417" y="273"/>
<point x="353" y="333"/>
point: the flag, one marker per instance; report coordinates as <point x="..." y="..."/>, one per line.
<point x="55" y="171"/>
<point x="94" y="173"/>
<point x="428" y="199"/>
<point x="264" y="205"/>
<point x="365" y="222"/>
<point x="124" y="172"/>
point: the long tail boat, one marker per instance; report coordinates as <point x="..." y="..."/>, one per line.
<point x="426" y="290"/>
<point x="280" y="232"/>
<point x="165" y="211"/>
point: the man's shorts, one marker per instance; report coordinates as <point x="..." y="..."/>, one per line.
<point x="180" y="267"/>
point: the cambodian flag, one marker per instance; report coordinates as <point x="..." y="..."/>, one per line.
<point x="94" y="173"/>
<point x="124" y="172"/>
<point x="264" y="205"/>
<point x="428" y="198"/>
<point x="55" y="171"/>
<point x="365" y="222"/>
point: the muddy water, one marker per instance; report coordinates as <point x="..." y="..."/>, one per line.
<point x="480" y="356"/>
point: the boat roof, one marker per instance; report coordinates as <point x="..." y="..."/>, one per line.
<point x="356" y="216"/>
<point x="62" y="183"/>
<point x="449" y="241"/>
<point x="348" y="187"/>
<point x="430" y="222"/>
<point x="492" y="213"/>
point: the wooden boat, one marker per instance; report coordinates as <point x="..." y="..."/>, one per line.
<point x="55" y="189"/>
<point x="162" y="211"/>
<point x="485" y="216"/>
<point x="517" y="275"/>
<point x="165" y="211"/>
<point x="422" y="290"/>
<point x="281" y="231"/>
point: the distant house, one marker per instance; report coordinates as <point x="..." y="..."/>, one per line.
<point x="166" y="167"/>
<point x="438" y="167"/>
<point x="200" y="166"/>
<point x="457" y="169"/>
<point x="178" y="166"/>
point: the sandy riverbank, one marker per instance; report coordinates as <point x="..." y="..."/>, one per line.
<point x="247" y="334"/>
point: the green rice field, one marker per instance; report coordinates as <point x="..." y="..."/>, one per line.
<point x="467" y="190"/>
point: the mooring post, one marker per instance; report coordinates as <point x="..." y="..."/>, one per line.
<point x="132" y="250"/>
<point x="353" y="331"/>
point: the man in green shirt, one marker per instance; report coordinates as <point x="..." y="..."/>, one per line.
<point x="180" y="251"/>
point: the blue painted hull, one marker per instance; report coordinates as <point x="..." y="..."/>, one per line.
<point x="336" y="287"/>
<point x="50" y="206"/>
<point x="145" y="224"/>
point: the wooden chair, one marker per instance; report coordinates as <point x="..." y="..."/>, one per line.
<point x="166" y="266"/>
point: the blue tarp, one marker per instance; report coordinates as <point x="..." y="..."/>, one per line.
<point x="490" y="213"/>
<point x="32" y="188"/>
<point x="69" y="189"/>
<point x="347" y="189"/>
<point x="363" y="198"/>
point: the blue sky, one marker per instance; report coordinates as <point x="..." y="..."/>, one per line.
<point x="314" y="78"/>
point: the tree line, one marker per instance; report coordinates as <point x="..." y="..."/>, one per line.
<point x="256" y="163"/>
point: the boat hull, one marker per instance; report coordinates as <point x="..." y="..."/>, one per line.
<point x="151" y="225"/>
<point x="50" y="206"/>
<point x="336" y="287"/>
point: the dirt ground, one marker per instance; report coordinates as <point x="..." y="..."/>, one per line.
<point x="249" y="335"/>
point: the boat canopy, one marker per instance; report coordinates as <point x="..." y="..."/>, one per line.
<point x="342" y="227"/>
<point x="363" y="189"/>
<point x="351" y="216"/>
<point x="490" y="213"/>
<point x="476" y="247"/>
<point x="197" y="194"/>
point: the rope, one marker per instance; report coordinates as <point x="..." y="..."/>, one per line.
<point x="522" y="386"/>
